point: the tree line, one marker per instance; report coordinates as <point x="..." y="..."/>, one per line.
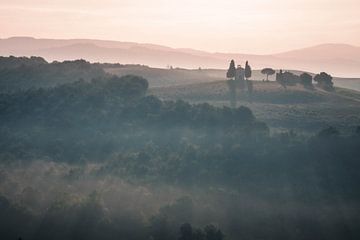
<point x="239" y="78"/>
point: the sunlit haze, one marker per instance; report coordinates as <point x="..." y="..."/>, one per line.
<point x="179" y="119"/>
<point x="257" y="26"/>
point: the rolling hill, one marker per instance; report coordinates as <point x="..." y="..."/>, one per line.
<point x="337" y="59"/>
<point x="294" y="108"/>
<point x="158" y="77"/>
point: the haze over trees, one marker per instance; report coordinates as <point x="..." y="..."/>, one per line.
<point x="306" y="80"/>
<point x="236" y="81"/>
<point x="324" y="80"/>
<point x="102" y="158"/>
<point x="26" y="73"/>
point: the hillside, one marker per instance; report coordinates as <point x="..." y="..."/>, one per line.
<point x="324" y="52"/>
<point x="337" y="59"/>
<point x="24" y="73"/>
<point x="293" y="108"/>
<point x="105" y="159"/>
<point x="158" y="77"/>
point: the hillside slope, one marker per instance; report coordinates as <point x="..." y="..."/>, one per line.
<point x="158" y="77"/>
<point x="293" y="108"/>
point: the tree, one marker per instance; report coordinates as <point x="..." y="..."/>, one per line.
<point x="232" y="88"/>
<point x="198" y="234"/>
<point x="186" y="232"/>
<point x="267" y="72"/>
<point x="160" y="228"/>
<point x="231" y="71"/>
<point x="329" y="132"/>
<point x="213" y="233"/>
<point x="247" y="71"/>
<point x="306" y="80"/>
<point x="324" y="80"/>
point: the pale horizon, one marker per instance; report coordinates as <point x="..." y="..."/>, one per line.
<point x="180" y="47"/>
<point x="264" y="26"/>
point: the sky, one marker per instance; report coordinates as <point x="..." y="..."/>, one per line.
<point x="242" y="26"/>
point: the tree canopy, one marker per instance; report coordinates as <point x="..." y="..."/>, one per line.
<point x="306" y="79"/>
<point x="247" y="70"/>
<point x="324" y="80"/>
<point x="231" y="71"/>
<point x="268" y="72"/>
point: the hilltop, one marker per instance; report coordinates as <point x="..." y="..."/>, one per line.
<point x="337" y="59"/>
<point x="159" y="77"/>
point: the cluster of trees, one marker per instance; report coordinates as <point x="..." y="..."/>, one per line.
<point x="114" y="99"/>
<point x="251" y="184"/>
<point x="231" y="73"/>
<point x="306" y="80"/>
<point x="239" y="79"/>
<point x="16" y="62"/>
<point x="324" y="80"/>
<point x="88" y="219"/>
<point x="292" y="181"/>
<point x="286" y="183"/>
<point x="22" y="73"/>
<point x="286" y="78"/>
<point x="210" y="232"/>
<point x="111" y="103"/>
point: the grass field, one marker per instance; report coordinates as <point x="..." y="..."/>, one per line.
<point x="294" y="108"/>
<point x="158" y="77"/>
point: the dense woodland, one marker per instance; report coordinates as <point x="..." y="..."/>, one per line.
<point x="27" y="73"/>
<point x="99" y="158"/>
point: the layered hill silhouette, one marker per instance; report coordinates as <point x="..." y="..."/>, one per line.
<point x="337" y="59"/>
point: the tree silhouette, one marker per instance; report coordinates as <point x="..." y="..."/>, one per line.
<point x="213" y="233"/>
<point x="324" y="80"/>
<point x="186" y="232"/>
<point x="231" y="71"/>
<point x="247" y="71"/>
<point x="232" y="88"/>
<point x="329" y="132"/>
<point x="306" y="80"/>
<point x="267" y="72"/>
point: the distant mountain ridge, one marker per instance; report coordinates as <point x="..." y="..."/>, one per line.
<point x="337" y="59"/>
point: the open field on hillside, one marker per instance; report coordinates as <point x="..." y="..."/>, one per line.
<point x="169" y="77"/>
<point x="294" y="108"/>
<point x="158" y="77"/>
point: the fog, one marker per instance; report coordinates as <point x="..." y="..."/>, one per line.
<point x="102" y="158"/>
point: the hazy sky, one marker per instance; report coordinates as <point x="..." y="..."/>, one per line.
<point x="249" y="26"/>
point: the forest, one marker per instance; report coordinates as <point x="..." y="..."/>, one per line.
<point x="90" y="155"/>
<point x="22" y="73"/>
